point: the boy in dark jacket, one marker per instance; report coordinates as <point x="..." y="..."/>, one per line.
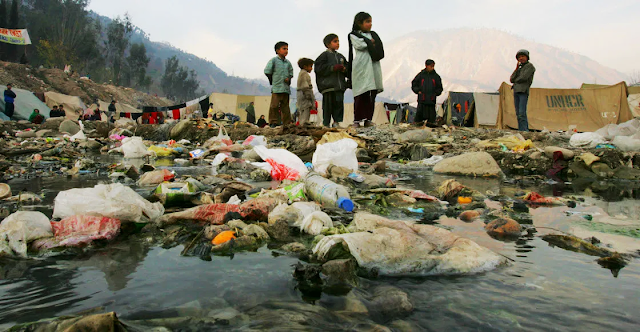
<point x="331" y="80"/>
<point x="427" y="85"/>
<point x="522" y="78"/>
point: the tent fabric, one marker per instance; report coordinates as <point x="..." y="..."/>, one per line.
<point x="71" y="103"/>
<point x="557" y="109"/>
<point x="465" y="99"/>
<point x="485" y="108"/>
<point x="25" y="103"/>
<point x="633" y="98"/>
<point x="632" y="90"/>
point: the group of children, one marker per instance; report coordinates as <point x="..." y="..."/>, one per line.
<point x="334" y="74"/>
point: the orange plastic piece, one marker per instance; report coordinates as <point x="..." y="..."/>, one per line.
<point x="224" y="237"/>
<point x="464" y="200"/>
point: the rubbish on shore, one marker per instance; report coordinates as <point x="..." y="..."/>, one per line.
<point x="315" y="223"/>
<point x="327" y="192"/>
<point x="340" y="153"/>
<point x="223" y="237"/>
<point x="284" y="164"/>
<point x="81" y="230"/>
<point x="20" y="228"/>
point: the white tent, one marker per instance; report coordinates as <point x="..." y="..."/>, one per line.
<point x="486" y="106"/>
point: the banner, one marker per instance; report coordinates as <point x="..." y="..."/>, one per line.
<point x="15" y="36"/>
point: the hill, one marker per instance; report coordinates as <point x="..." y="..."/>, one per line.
<point x="480" y="60"/>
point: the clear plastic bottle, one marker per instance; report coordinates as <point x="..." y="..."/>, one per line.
<point x="327" y="192"/>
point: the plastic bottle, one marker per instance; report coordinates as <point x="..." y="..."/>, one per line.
<point x="327" y="192"/>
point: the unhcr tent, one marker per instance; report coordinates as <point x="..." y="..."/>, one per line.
<point x="25" y="103"/>
<point x="71" y="103"/>
<point x="557" y="109"/>
<point x="633" y="97"/>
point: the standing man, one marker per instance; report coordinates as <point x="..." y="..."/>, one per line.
<point x="251" y="114"/>
<point x="9" y="99"/>
<point x="112" y="111"/>
<point x="522" y="78"/>
<point x="427" y="85"/>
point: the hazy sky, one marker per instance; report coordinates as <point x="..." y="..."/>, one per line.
<point x="238" y="36"/>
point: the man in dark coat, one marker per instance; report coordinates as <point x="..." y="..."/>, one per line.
<point x="251" y="113"/>
<point x="9" y="100"/>
<point x="427" y="85"/>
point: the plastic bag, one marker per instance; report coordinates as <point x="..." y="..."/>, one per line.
<point x="255" y="140"/>
<point x="113" y="201"/>
<point x="315" y="222"/>
<point x="154" y="178"/>
<point x="586" y="140"/>
<point x="21" y="227"/>
<point x="340" y="153"/>
<point x="224" y="137"/>
<point x="627" y="143"/>
<point x="133" y="147"/>
<point x="80" y="230"/>
<point x="294" y="213"/>
<point x="284" y="164"/>
<point x="160" y="151"/>
<point x="79" y="136"/>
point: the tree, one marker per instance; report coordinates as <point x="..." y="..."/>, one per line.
<point x="118" y="35"/>
<point x="137" y="63"/>
<point x="14" y="22"/>
<point x="3" y="24"/>
<point x="634" y="78"/>
<point x="54" y="54"/>
<point x="179" y="83"/>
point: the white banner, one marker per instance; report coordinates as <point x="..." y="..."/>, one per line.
<point x="15" y="36"/>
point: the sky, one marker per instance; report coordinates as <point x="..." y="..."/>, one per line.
<point x="238" y="36"/>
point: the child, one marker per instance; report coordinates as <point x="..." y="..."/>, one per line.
<point x="330" y="77"/>
<point x="306" y="99"/>
<point x="427" y="85"/>
<point x="366" y="74"/>
<point x="522" y="78"/>
<point x="279" y="72"/>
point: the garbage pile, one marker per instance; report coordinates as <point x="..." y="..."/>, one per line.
<point x="333" y="198"/>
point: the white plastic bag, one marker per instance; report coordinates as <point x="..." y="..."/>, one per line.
<point x="627" y="143"/>
<point x="340" y="153"/>
<point x="133" y="147"/>
<point x="294" y="213"/>
<point x="21" y="227"/>
<point x="79" y="136"/>
<point x="113" y="201"/>
<point x="285" y="165"/>
<point x="586" y="140"/>
<point x="315" y="222"/>
<point x="255" y="140"/>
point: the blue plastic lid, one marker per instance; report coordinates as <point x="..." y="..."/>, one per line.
<point x="345" y="204"/>
<point x="309" y="165"/>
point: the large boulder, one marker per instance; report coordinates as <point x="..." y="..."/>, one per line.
<point x="68" y="126"/>
<point x="504" y="227"/>
<point x="472" y="164"/>
<point x="399" y="248"/>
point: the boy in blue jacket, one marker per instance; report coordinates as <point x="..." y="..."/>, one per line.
<point x="279" y="71"/>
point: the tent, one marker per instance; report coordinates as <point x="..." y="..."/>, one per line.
<point x="25" y="103"/>
<point x="400" y="113"/>
<point x="71" y="103"/>
<point x="557" y="109"/>
<point x="465" y="99"/>
<point x="484" y="110"/>
<point x="633" y="97"/>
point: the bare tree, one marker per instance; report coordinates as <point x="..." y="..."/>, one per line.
<point x="634" y="78"/>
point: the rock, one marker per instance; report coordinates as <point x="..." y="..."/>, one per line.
<point x="469" y="215"/>
<point x="340" y="271"/>
<point x="503" y="227"/>
<point x="90" y="145"/>
<point x="52" y="123"/>
<point x="236" y="224"/>
<point x="473" y="164"/>
<point x="43" y="132"/>
<point x="85" y="163"/>
<point x="535" y="155"/>
<point x="26" y="134"/>
<point x="260" y="175"/>
<point x="98" y="322"/>
<point x="418" y="152"/>
<point x="415" y="136"/>
<point x="520" y="207"/>
<point x="70" y="127"/>
<point x="390" y="302"/>
<point x="567" y="154"/>
<point x="181" y="129"/>
<point x="353" y="305"/>
<point x="380" y="166"/>
<point x="398" y="248"/>
<point x="256" y="231"/>
<point x="293" y="248"/>
<point x="278" y="231"/>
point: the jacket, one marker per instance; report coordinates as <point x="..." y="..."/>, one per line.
<point x="305" y="97"/>
<point x="112" y="108"/>
<point x="522" y="78"/>
<point x="251" y="111"/>
<point x="278" y="70"/>
<point x="366" y="74"/>
<point x="327" y="79"/>
<point x="9" y="96"/>
<point x="427" y="85"/>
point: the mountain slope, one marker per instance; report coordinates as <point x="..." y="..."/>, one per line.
<point x="480" y="60"/>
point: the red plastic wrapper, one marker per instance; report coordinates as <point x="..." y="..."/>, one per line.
<point x="81" y="230"/>
<point x="281" y="172"/>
